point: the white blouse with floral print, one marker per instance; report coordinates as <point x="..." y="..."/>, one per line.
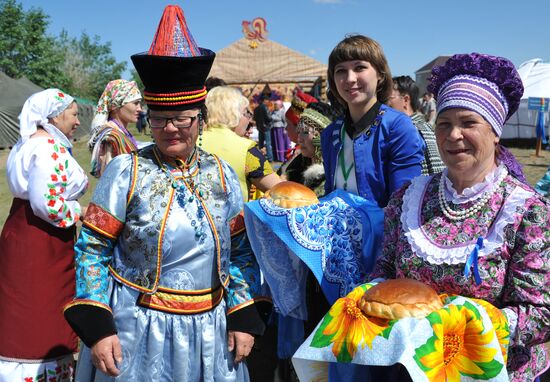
<point x="43" y="171"/>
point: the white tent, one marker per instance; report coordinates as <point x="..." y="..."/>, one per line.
<point x="535" y="75"/>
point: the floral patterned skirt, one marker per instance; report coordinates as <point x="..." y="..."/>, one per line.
<point x="58" y="370"/>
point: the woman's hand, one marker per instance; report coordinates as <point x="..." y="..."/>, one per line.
<point x="240" y="342"/>
<point x="106" y="354"/>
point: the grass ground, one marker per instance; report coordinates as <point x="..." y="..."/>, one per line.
<point x="534" y="168"/>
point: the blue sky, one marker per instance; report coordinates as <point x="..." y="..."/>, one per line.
<point x="411" y="32"/>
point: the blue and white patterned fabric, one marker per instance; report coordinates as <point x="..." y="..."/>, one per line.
<point x="338" y="239"/>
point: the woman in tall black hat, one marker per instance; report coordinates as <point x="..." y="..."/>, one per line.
<point x="160" y="295"/>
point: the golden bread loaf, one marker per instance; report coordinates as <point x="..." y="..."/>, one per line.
<point x="289" y="194"/>
<point x="395" y="299"/>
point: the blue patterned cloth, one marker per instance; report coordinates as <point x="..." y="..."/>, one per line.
<point x="337" y="239"/>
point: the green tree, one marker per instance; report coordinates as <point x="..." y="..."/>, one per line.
<point x="137" y="79"/>
<point x="25" y="49"/>
<point x="88" y="64"/>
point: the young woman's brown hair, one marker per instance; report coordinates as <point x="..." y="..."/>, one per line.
<point x="359" y="47"/>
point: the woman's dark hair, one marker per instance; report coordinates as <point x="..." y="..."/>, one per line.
<point x="359" y="47"/>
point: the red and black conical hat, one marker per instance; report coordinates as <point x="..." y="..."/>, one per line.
<point x="174" y="69"/>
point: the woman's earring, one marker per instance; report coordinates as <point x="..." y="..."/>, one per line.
<point x="200" y="129"/>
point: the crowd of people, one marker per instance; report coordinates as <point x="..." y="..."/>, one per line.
<point x="173" y="275"/>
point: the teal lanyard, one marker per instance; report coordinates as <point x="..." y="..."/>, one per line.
<point x="345" y="172"/>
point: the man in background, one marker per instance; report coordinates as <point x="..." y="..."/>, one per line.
<point x="404" y="98"/>
<point x="141" y="123"/>
<point x="428" y="108"/>
<point x="263" y="124"/>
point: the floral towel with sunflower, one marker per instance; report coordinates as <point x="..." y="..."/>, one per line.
<point x="466" y="340"/>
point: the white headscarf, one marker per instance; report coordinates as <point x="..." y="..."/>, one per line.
<point x="38" y="108"/>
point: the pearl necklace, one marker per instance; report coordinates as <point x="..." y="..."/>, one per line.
<point x="460" y="215"/>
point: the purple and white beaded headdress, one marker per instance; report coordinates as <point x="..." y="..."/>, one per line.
<point x="488" y="85"/>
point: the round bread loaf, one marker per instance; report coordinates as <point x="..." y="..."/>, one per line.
<point x="395" y="299"/>
<point x="291" y="195"/>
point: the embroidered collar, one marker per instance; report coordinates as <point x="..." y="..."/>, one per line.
<point x="58" y="135"/>
<point x="424" y="245"/>
<point x="187" y="169"/>
<point x="365" y="122"/>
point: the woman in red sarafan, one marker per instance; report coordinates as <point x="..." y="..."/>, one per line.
<point x="37" y="275"/>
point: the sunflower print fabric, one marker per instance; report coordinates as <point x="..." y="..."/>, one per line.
<point x="465" y="340"/>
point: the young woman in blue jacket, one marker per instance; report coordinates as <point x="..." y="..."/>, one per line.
<point x="373" y="149"/>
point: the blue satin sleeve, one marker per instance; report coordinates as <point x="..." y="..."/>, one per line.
<point x="247" y="309"/>
<point x="114" y="187"/>
<point x="244" y="271"/>
<point x="92" y="257"/>
<point x="89" y="314"/>
<point x="103" y="223"/>
<point x="244" y="274"/>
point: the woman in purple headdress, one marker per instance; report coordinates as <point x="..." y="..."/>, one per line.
<point x="480" y="203"/>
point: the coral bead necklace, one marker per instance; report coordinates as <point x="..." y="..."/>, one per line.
<point x="187" y="190"/>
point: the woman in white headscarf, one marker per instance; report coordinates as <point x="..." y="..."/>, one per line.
<point x="119" y="105"/>
<point x="37" y="274"/>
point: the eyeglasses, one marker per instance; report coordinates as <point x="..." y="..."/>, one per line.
<point x="247" y="114"/>
<point x="179" y="122"/>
